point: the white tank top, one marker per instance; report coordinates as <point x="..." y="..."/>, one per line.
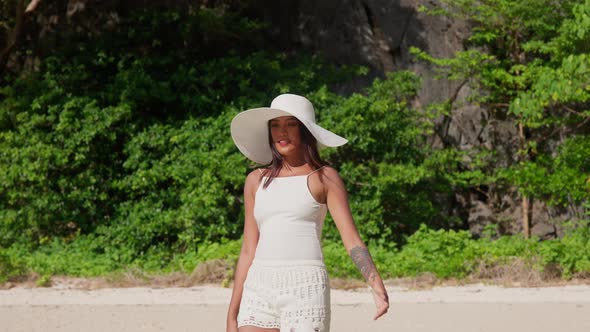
<point x="289" y="220"/>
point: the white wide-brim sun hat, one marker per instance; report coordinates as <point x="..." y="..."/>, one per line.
<point x="249" y="129"/>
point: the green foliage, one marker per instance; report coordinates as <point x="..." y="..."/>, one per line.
<point x="465" y="64"/>
<point x="11" y="266"/>
<point x="537" y="56"/>
<point x="508" y="21"/>
<point x="116" y="153"/>
<point x="559" y="181"/>
<point x="446" y="254"/>
<point x="129" y="143"/>
<point x="386" y="164"/>
<point x="56" y="165"/>
<point x="456" y="254"/>
<point x="560" y="88"/>
<point x="530" y="65"/>
<point x="571" y="254"/>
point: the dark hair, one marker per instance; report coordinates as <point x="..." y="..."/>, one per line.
<point x="310" y="153"/>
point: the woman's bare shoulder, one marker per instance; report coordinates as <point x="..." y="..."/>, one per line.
<point x="253" y="179"/>
<point x="330" y="172"/>
<point x="255" y="174"/>
<point x="331" y="176"/>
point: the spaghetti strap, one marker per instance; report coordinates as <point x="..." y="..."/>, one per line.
<point x="315" y="170"/>
<point x="260" y="171"/>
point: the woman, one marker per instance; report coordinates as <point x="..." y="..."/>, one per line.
<point x="280" y="280"/>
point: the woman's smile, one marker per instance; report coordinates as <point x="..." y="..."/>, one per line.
<point x="285" y="133"/>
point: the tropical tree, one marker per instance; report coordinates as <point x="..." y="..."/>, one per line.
<point x="529" y="60"/>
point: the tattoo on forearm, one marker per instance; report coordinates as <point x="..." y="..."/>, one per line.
<point x="361" y="257"/>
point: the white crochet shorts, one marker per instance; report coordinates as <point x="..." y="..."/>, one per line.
<point x="286" y="296"/>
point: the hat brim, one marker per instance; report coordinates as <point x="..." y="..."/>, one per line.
<point x="249" y="131"/>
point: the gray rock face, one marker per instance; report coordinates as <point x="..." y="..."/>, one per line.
<point x="379" y="35"/>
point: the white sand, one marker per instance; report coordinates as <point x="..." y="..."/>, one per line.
<point x="465" y="308"/>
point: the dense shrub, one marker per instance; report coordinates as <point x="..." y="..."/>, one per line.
<point x="116" y="152"/>
<point x="446" y="254"/>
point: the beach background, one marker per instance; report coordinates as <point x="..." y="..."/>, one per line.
<point x="467" y="308"/>
<point x="466" y="167"/>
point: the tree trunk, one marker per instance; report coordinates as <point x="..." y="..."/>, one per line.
<point x="14" y="34"/>
<point x="526" y="223"/>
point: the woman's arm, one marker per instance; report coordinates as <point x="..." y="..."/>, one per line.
<point x="337" y="200"/>
<point x="250" y="240"/>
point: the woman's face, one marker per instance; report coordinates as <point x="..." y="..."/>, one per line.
<point x="285" y="134"/>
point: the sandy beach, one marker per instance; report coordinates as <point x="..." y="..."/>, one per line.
<point x="464" y="308"/>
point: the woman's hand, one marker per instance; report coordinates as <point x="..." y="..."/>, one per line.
<point x="381" y="302"/>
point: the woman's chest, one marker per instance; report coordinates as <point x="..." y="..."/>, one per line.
<point x="289" y="197"/>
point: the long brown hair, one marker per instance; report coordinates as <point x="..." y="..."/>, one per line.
<point x="310" y="154"/>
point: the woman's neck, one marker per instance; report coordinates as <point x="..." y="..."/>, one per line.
<point x="293" y="162"/>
